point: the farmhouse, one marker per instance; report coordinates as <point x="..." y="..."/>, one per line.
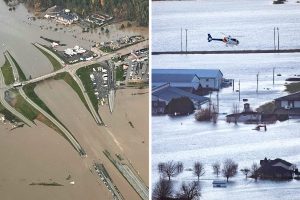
<point x="192" y="79"/>
<point x="276" y="169"/>
<point x="289" y="104"/>
<point x="246" y="116"/>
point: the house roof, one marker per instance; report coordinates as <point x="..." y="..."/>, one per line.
<point x="167" y="93"/>
<point x="201" y="73"/>
<point x="275" y="162"/>
<point x="290" y="97"/>
<point x="168" y="78"/>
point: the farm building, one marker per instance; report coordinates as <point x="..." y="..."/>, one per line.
<point x="188" y="78"/>
<point x="166" y="93"/>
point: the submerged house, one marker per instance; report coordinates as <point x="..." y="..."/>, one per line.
<point x="247" y="116"/>
<point x="276" y="169"/>
<point x="188" y="79"/>
<point x="289" y="104"/>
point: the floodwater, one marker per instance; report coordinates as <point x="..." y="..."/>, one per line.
<point x="250" y="21"/>
<point x="184" y="139"/>
<point x="17" y="33"/>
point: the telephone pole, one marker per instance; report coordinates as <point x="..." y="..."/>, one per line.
<point x="273" y="75"/>
<point x="257" y="82"/>
<point x="181" y="40"/>
<point x="239" y="90"/>
<point x="186" y="40"/>
<point x="274" y="39"/>
<point x="278" y="38"/>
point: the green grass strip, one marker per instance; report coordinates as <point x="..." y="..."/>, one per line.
<point x="20" y="72"/>
<point x="56" y="65"/>
<point x="7" y="72"/>
<point x="84" y="75"/>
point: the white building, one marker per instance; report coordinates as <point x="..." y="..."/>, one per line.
<point x="194" y="78"/>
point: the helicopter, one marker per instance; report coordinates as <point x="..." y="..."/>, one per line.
<point x="228" y="40"/>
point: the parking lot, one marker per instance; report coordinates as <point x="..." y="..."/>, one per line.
<point x="138" y="68"/>
<point x="102" y="79"/>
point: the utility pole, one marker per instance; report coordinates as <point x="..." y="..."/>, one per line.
<point x="186" y="40"/>
<point x="218" y="101"/>
<point x="278" y="38"/>
<point x="274" y="39"/>
<point x="273" y="75"/>
<point x="181" y="39"/>
<point x="257" y="82"/>
<point x="239" y="90"/>
<point x="233" y="85"/>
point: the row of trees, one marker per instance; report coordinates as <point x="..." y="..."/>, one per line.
<point x="163" y="189"/>
<point x="172" y="169"/>
<point x="134" y="10"/>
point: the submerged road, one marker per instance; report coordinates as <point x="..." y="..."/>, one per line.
<point x="228" y="52"/>
<point x="70" y="137"/>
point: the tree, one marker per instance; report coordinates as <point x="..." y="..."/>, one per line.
<point x="235" y="112"/>
<point x="170" y="169"/>
<point x="162" y="190"/>
<point x="245" y="171"/>
<point x="199" y="169"/>
<point x="189" y="191"/>
<point x="216" y="168"/>
<point x="254" y="171"/>
<point x="229" y="168"/>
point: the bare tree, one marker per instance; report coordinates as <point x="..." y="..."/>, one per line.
<point x="254" y="171"/>
<point x="229" y="169"/>
<point x="189" y="191"/>
<point x="199" y="169"/>
<point x="235" y="112"/>
<point x="216" y="168"/>
<point x="245" y="171"/>
<point x="170" y="169"/>
<point x="162" y="190"/>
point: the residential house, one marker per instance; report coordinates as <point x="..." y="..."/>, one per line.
<point x="289" y="104"/>
<point x="276" y="169"/>
<point x="246" y="116"/>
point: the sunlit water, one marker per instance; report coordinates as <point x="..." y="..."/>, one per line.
<point x="184" y="139"/>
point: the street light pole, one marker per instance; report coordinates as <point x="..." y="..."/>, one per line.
<point x="274" y="39"/>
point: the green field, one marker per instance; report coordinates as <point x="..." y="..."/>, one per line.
<point x="7" y="73"/>
<point x="8" y="115"/>
<point x="20" y="72"/>
<point x="120" y="74"/>
<point x="84" y="75"/>
<point x="56" y="65"/>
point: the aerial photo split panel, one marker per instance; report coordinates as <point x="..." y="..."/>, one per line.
<point x="74" y="111"/>
<point x="225" y="99"/>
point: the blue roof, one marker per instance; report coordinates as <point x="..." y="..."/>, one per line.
<point x="167" y="93"/>
<point x="168" y="78"/>
<point x="199" y="72"/>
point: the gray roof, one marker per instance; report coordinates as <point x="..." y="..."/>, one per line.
<point x="168" y="78"/>
<point x="199" y="72"/>
<point x="167" y="93"/>
<point x="291" y="97"/>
